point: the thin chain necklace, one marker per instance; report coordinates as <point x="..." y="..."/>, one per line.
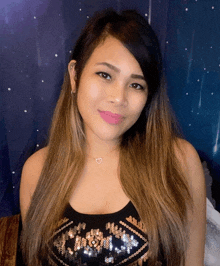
<point x="98" y="160"/>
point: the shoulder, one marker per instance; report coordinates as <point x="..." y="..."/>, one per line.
<point x="194" y="173"/>
<point x="29" y="178"/>
<point x="189" y="160"/>
<point x="183" y="147"/>
<point x="33" y="167"/>
<point x="37" y="157"/>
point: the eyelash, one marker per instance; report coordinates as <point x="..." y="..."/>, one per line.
<point x="141" y="87"/>
<point x="103" y="75"/>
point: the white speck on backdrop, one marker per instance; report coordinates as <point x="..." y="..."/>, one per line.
<point x="216" y="146"/>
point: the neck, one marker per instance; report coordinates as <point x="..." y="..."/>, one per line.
<point x="107" y="152"/>
<point x="97" y="147"/>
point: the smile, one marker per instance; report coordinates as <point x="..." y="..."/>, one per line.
<point x="110" y="117"/>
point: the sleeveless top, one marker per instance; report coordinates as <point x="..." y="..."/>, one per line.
<point x="99" y="239"/>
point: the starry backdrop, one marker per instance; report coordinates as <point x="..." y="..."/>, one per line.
<point x="36" y="41"/>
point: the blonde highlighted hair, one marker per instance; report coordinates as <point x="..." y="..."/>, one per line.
<point x="150" y="172"/>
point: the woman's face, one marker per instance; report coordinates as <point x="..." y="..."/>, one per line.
<point x="111" y="81"/>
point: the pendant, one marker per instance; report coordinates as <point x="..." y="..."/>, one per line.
<point x="98" y="160"/>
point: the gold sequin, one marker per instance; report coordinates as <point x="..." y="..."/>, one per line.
<point x="60" y="242"/>
<point x="94" y="241"/>
<point x="140" y="225"/>
<point x="135" y="254"/>
<point x="134" y="231"/>
<point x="62" y="221"/>
<point x="52" y="263"/>
<point x="113" y="229"/>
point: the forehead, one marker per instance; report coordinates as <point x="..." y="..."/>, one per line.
<point x="111" y="50"/>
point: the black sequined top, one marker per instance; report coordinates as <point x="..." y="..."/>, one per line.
<point x="105" y="239"/>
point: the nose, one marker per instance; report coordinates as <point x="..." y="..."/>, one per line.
<point x="117" y="94"/>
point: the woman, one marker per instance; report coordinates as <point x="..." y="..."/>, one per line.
<point x="116" y="184"/>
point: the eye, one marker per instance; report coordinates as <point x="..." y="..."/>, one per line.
<point x="104" y="75"/>
<point x="137" y="86"/>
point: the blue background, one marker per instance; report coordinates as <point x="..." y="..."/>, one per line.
<point x="36" y="42"/>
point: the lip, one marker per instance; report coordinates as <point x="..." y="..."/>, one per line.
<point x="110" y="117"/>
<point x="117" y="116"/>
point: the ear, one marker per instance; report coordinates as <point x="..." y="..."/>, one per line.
<point x="72" y="73"/>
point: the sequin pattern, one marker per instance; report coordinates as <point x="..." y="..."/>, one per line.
<point x="71" y="243"/>
<point x="119" y="242"/>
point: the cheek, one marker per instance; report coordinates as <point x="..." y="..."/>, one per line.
<point x="93" y="91"/>
<point x="88" y="95"/>
<point x="138" y="104"/>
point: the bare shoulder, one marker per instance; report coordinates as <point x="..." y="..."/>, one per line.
<point x="29" y="178"/>
<point x="189" y="160"/>
<point x="38" y="157"/>
<point x="33" y="167"/>
<point x="194" y="173"/>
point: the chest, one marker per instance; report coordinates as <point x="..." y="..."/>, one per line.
<point x="98" y="191"/>
<point x="113" y="239"/>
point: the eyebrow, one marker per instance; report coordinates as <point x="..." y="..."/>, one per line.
<point x="135" y="76"/>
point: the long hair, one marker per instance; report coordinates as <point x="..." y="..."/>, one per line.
<point x="150" y="172"/>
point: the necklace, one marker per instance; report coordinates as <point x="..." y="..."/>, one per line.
<point x="98" y="160"/>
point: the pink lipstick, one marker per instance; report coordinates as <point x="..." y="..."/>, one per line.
<point x="110" y="117"/>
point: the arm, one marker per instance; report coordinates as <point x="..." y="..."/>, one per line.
<point x="193" y="170"/>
